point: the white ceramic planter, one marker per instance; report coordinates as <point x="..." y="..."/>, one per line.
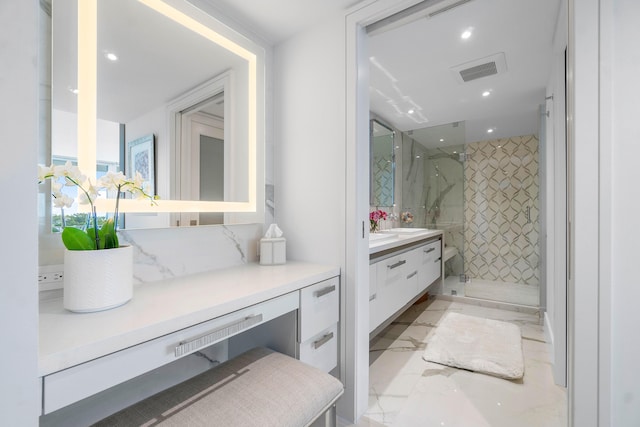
<point x="97" y="280"/>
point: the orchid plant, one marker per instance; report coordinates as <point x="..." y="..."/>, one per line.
<point x="91" y="237"/>
<point x="374" y="219"/>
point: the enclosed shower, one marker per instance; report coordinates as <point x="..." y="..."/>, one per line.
<point x="485" y="197"/>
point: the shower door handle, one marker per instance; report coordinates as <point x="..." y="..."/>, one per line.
<point x="528" y="214"/>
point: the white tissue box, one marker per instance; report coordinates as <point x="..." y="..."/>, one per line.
<point x="273" y="250"/>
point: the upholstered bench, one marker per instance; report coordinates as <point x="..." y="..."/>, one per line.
<point x="257" y="388"/>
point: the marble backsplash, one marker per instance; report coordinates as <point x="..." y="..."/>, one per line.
<point x="165" y="253"/>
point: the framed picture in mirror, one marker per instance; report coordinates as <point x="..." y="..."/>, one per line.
<point x="140" y="157"/>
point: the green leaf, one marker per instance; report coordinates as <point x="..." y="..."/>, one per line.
<point x="75" y="239"/>
<point x="108" y="234"/>
<point x="91" y="232"/>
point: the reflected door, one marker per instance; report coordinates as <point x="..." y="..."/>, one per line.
<point x="206" y="160"/>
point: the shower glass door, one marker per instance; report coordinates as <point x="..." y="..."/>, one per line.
<point x="501" y="250"/>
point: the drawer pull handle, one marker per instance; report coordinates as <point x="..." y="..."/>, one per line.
<point x="397" y="264"/>
<point x="325" y="291"/>
<point x="429" y="250"/>
<point x="322" y="341"/>
<point x="412" y="274"/>
<point x="225" y="331"/>
<point x="372" y="297"/>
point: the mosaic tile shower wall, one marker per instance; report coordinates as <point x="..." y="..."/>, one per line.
<point x="501" y="210"/>
<point x="382" y="170"/>
<point x="383" y="173"/>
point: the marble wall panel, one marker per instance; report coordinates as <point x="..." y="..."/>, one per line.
<point x="501" y="210"/>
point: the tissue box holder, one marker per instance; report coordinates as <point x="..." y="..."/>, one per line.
<point x="273" y="250"/>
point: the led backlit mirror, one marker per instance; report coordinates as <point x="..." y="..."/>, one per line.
<point x="163" y="70"/>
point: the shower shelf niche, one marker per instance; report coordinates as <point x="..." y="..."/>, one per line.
<point x="449" y="252"/>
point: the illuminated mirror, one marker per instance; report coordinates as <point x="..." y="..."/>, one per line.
<point x="167" y="70"/>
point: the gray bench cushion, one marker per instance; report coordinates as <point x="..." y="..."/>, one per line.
<point x="258" y="388"/>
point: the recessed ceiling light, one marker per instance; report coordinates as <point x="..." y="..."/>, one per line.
<point x="411" y="111"/>
<point x="486" y="93"/>
<point x="441" y="139"/>
<point x="111" y="56"/>
<point x="490" y="130"/>
<point x="465" y="34"/>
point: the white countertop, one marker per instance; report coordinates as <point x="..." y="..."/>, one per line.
<point x="159" y="308"/>
<point x="399" y="239"/>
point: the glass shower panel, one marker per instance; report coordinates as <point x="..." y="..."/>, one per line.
<point x="501" y="195"/>
<point x="445" y="202"/>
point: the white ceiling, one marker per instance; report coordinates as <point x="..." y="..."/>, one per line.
<point x="411" y="68"/>
<point x="158" y="59"/>
<point x="412" y="61"/>
<point x="411" y="65"/>
<point x="277" y="20"/>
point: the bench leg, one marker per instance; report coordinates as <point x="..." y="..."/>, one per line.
<point x="328" y="419"/>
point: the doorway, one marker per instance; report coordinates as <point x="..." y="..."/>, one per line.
<point x="559" y="258"/>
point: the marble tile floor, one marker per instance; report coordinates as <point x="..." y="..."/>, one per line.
<point x="406" y="391"/>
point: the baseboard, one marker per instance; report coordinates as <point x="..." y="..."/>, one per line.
<point x="548" y="337"/>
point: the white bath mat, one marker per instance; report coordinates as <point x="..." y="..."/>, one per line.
<point x="481" y="345"/>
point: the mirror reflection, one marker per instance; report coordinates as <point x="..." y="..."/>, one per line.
<point x="382" y="167"/>
<point x="156" y="78"/>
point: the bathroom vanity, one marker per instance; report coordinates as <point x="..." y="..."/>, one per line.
<point x="84" y="354"/>
<point x="403" y="264"/>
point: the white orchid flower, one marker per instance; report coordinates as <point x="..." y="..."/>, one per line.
<point x="62" y="201"/>
<point x="89" y="193"/>
<point x="44" y="172"/>
<point x="112" y="180"/>
<point x="70" y="175"/>
<point x="56" y="188"/>
<point x="68" y="170"/>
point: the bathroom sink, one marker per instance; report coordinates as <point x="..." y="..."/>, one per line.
<point x="405" y="230"/>
<point x="377" y="237"/>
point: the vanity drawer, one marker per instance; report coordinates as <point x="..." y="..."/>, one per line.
<point x="431" y="263"/>
<point x="71" y="385"/>
<point x="433" y="249"/>
<point x="321" y="350"/>
<point x="319" y="308"/>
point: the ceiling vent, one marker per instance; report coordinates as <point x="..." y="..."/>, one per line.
<point x="483" y="67"/>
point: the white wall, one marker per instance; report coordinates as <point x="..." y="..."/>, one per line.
<point x="623" y="67"/>
<point x="310" y="166"/>
<point x="310" y="143"/>
<point x="19" y="398"/>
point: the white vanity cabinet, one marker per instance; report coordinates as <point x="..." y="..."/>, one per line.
<point x="84" y="354"/>
<point x="374" y="312"/>
<point x="430" y="256"/>
<point x="399" y="276"/>
<point x="393" y="288"/>
<point x="318" y="324"/>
